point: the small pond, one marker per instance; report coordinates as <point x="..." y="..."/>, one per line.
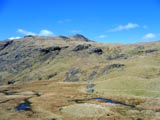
<point x="110" y="101"/>
<point x="24" y="106"/>
<point x="102" y="100"/>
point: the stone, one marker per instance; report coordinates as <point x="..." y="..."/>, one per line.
<point x="140" y="47"/>
<point x="151" y="50"/>
<point x="52" y="75"/>
<point x="50" y="49"/>
<point x="96" y="50"/>
<point x="92" y="75"/>
<point x="117" y="56"/>
<point x="90" y="91"/>
<point x="80" y="47"/>
<point x="4" y="44"/>
<point x="90" y="86"/>
<point x="71" y="75"/>
<point x="11" y="82"/>
<point x="108" y="68"/>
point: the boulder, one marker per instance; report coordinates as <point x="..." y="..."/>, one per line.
<point x="96" y="50"/>
<point x="92" y="75"/>
<point x="50" y="49"/>
<point x="4" y="44"/>
<point x="117" y="56"/>
<point x="140" y="47"/>
<point x="11" y="82"/>
<point x="71" y="76"/>
<point x="80" y="47"/>
<point x="151" y="50"/>
<point x="111" y="67"/>
<point x="90" y="86"/>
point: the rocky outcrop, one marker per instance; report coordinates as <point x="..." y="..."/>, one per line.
<point x="71" y="75"/>
<point x="92" y="75"/>
<point x="111" y="67"/>
<point x="96" y="50"/>
<point x="50" y="49"/>
<point x="80" y="47"/>
<point x="117" y="56"/>
<point x="151" y="51"/>
<point x="4" y="44"/>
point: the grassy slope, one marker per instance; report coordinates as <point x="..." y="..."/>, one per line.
<point x="139" y="77"/>
<point x="137" y="83"/>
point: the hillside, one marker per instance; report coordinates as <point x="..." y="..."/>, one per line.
<point x="62" y="69"/>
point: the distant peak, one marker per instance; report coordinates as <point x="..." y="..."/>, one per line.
<point x="79" y="37"/>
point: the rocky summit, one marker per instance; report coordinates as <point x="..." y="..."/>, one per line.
<point x="79" y="79"/>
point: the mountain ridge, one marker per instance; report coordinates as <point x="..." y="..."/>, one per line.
<point x="26" y="53"/>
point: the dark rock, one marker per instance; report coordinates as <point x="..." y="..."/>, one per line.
<point x="80" y="47"/>
<point x="96" y="50"/>
<point x="50" y="49"/>
<point x="63" y="37"/>
<point x="90" y="91"/>
<point x="4" y="44"/>
<point x="74" y="71"/>
<point x="117" y="56"/>
<point x="5" y="53"/>
<point x="54" y="119"/>
<point x="71" y="75"/>
<point x="108" y="68"/>
<point x="64" y="47"/>
<point x="11" y="82"/>
<point x="29" y="36"/>
<point x="151" y="50"/>
<point x="92" y="75"/>
<point x="90" y="86"/>
<point x="139" y="119"/>
<point x="1" y="80"/>
<point x="140" y="47"/>
<point x="52" y="75"/>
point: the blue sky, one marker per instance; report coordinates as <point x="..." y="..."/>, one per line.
<point x="123" y="21"/>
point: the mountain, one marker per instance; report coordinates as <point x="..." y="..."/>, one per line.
<point x="66" y="71"/>
<point x="51" y="58"/>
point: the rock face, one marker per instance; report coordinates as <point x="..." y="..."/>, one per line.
<point x="80" y="47"/>
<point x="117" y="56"/>
<point x="50" y="49"/>
<point x="71" y="76"/>
<point x="96" y="50"/>
<point x="111" y="67"/>
<point x="4" y="44"/>
<point x="93" y="75"/>
<point x="151" y="51"/>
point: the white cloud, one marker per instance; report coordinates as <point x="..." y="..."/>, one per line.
<point x="12" y="38"/>
<point x="45" y="33"/>
<point x="124" y="27"/>
<point x="102" y="36"/>
<point x="24" y="32"/>
<point x="149" y="36"/>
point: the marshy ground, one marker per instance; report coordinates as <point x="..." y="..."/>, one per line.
<point x="51" y="100"/>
